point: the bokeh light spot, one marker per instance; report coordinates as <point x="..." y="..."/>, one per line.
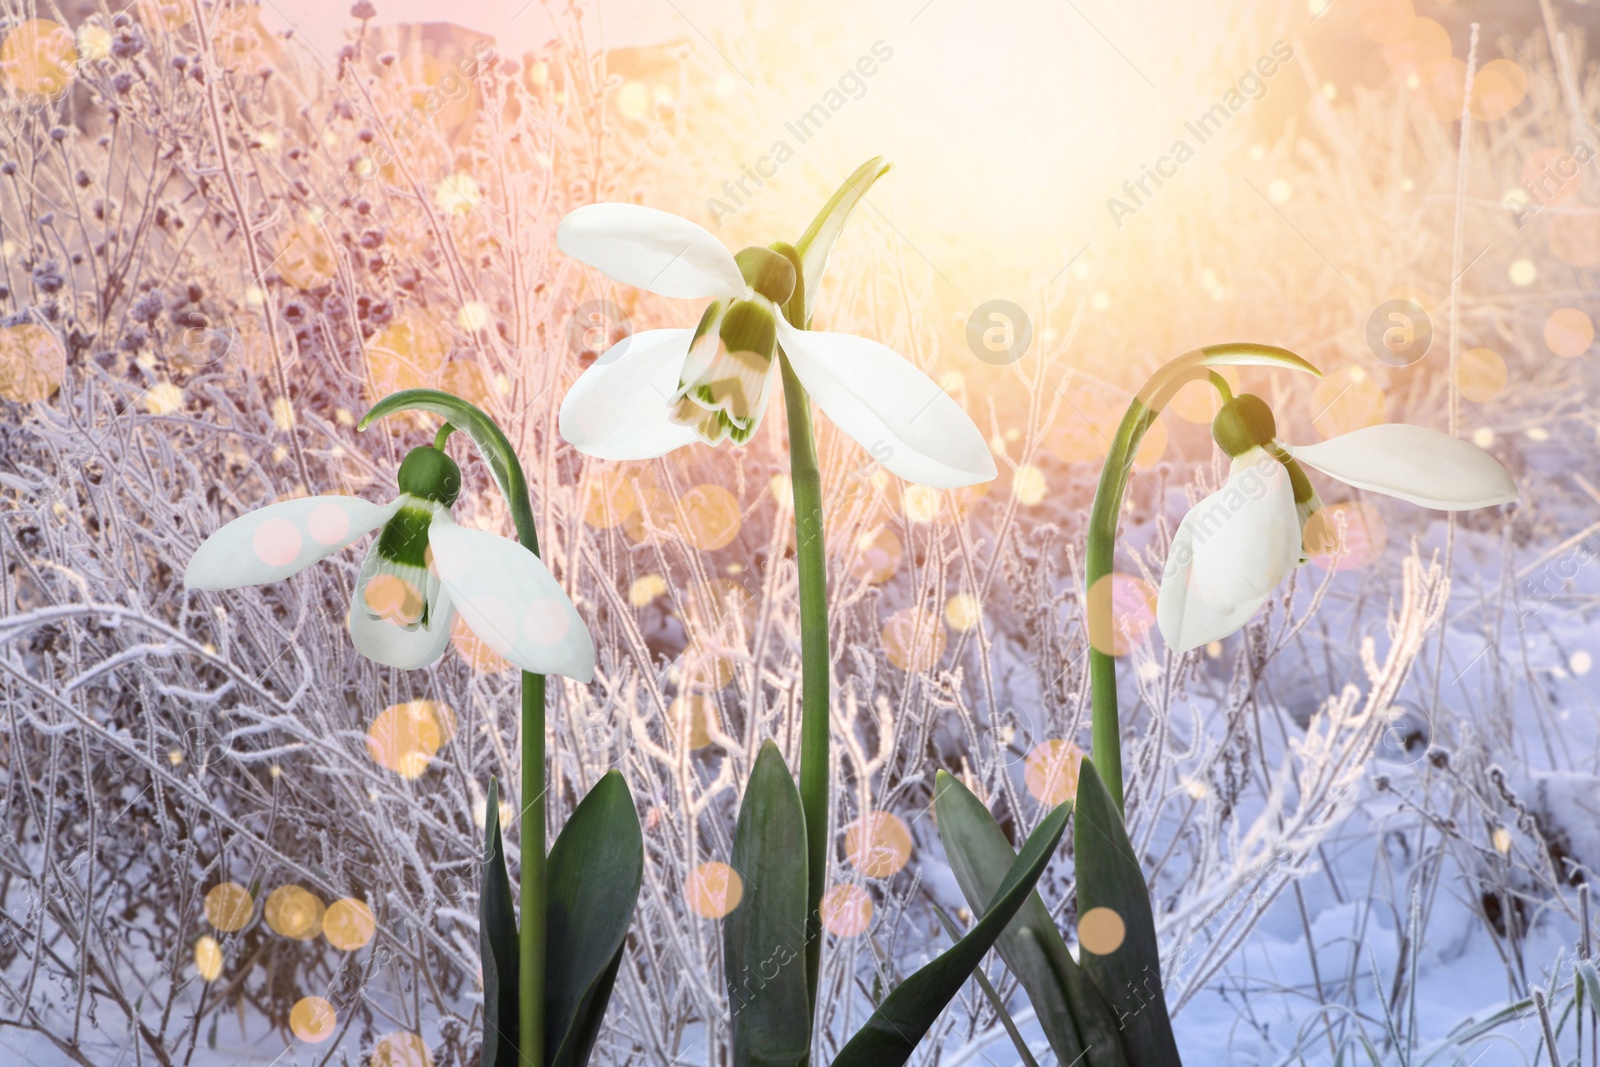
<point x="920" y="503"/>
<point x="163" y="398"/>
<point x="294" y="912"/>
<point x="1050" y="772"/>
<point x="1415" y="44"/>
<point x="1151" y="447"/>
<point x="389" y="596"/>
<point x="1364" y="534"/>
<point x="208" y="958"/>
<point x="1569" y="332"/>
<point x="406" y="354"/>
<point x="846" y="911"/>
<point x="304" y="258"/>
<point x="1346" y="400"/>
<point x="276" y="542"/>
<point x="283" y="416"/>
<point x="1074" y="439"/>
<point x="458" y="194"/>
<point x="348" y="924"/>
<point x="608" y="497"/>
<point x="646" y="588"/>
<point x="329" y="524"/>
<point x="1553" y="174"/>
<point x="914" y="640"/>
<point x="94" y="41"/>
<point x="878" y="556"/>
<point x="1132" y="611"/>
<point x="1498" y="87"/>
<point x="1198" y="401"/>
<point x="404" y="738"/>
<point x="38" y="58"/>
<point x="165" y="15"/>
<point x="465" y="377"/>
<point x="1028" y="485"/>
<point x="633" y="99"/>
<point x="712" y="605"/>
<point x="1480" y="374"/>
<point x="693" y="714"/>
<point x="401" y="1050"/>
<point x="474" y="649"/>
<point x="1101" y="931"/>
<point x="713" y="890"/>
<point x="962" y="612"/>
<point x="878" y="844"/>
<point x="229" y="906"/>
<point x="32" y="363"/>
<point x="710" y="517"/>
<point x="705" y="669"/>
<point x="1384" y="21"/>
<point x="1439" y="84"/>
<point x="312" y="1019"/>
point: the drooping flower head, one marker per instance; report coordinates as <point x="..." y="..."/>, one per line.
<point x="1234" y="547"/>
<point x="419" y="573"/>
<point x="661" y="389"/>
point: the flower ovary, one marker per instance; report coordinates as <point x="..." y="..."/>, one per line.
<point x="429" y="474"/>
<point x="1245" y="422"/>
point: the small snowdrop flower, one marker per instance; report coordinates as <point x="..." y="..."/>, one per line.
<point x="420" y="572"/>
<point x="661" y="389"/>
<point x="1234" y="547"/>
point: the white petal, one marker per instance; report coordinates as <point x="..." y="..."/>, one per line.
<point x="512" y="601"/>
<point x="383" y="642"/>
<point x="1423" y="466"/>
<point x="619" y="407"/>
<point x="1231" y="550"/>
<point x="890" y="407"/>
<point x="281" y="539"/>
<point x="651" y="249"/>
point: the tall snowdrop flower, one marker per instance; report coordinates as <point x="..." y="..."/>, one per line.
<point x="661" y="389"/>
<point x="1234" y="547"/>
<point x="418" y="574"/>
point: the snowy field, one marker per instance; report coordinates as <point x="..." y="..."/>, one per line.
<point x="1369" y="820"/>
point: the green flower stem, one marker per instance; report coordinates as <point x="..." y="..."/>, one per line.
<point x="507" y="470"/>
<point x="811" y="560"/>
<point x="531" y="933"/>
<point x="1105" y="725"/>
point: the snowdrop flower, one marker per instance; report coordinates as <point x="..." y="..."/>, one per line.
<point x="418" y="574"/>
<point x="1234" y="547"/>
<point x="661" y="389"/>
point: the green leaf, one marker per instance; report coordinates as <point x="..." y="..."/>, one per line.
<point x="992" y="995"/>
<point x="596" y="866"/>
<point x="764" y="937"/>
<point x="586" y="1027"/>
<point x="497" y="944"/>
<point x="901" y="1021"/>
<point x="1129" y="977"/>
<point x="1070" y="1010"/>
<point x="1587" y="977"/>
<point x="816" y="244"/>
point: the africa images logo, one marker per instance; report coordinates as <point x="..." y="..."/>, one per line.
<point x="1251" y="87"/>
